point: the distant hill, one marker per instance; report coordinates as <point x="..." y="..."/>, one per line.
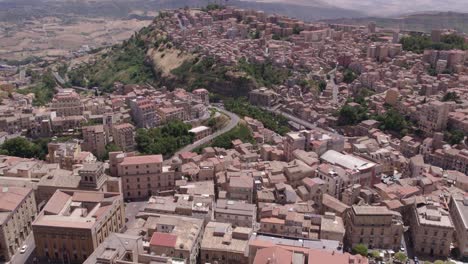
<point x="17" y="10"/>
<point x="417" y="22"/>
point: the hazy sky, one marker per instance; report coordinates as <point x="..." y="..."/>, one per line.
<point x="388" y="7"/>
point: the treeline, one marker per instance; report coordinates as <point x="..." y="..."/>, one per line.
<point x="418" y="43"/>
<point x="22" y="147"/>
<point x="165" y="140"/>
<point x="274" y="122"/>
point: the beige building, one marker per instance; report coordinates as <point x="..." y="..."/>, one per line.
<point x="235" y="212"/>
<point x="73" y="224"/>
<point x="224" y="244"/>
<point x="67" y="103"/>
<point x="175" y="236"/>
<point x="459" y="213"/>
<point x="373" y="226"/>
<point x="17" y="212"/>
<point x="142" y="176"/>
<point x="332" y="227"/>
<point x="95" y="140"/>
<point x="433" y="117"/>
<point x="68" y="154"/>
<point x="200" y="132"/>
<point x="431" y="230"/>
<point x="124" y="136"/>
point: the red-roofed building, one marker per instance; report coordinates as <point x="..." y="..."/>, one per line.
<point x="162" y="240"/>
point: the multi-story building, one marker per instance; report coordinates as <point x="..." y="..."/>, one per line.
<point x="235" y="212"/>
<point x="202" y="95"/>
<point x="450" y="159"/>
<point x="224" y="244"/>
<point x="124" y="136"/>
<point x="68" y="154"/>
<point x="175" y="236"/>
<point x="433" y="117"/>
<point x="18" y="211"/>
<point x="144" y="113"/>
<point x="67" y="103"/>
<point x="142" y="176"/>
<point x="263" y="97"/>
<point x="74" y="223"/>
<point x="373" y="226"/>
<point x="95" y="139"/>
<point x="200" y="132"/>
<point x="459" y="214"/>
<point x="431" y="230"/>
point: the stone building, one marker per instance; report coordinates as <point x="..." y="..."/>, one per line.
<point x="18" y="211"/>
<point x="431" y="230"/>
<point x="74" y="223"/>
<point x="373" y="226"/>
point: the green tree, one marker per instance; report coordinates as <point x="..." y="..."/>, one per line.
<point x="360" y="249"/>
<point x="455" y="136"/>
<point x="451" y="96"/>
<point x="401" y="257"/>
<point x="322" y="85"/>
<point x="22" y="147"/>
<point x="349" y="76"/>
<point x="351" y="115"/>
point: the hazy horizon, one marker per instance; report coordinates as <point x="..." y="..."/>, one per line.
<point x="384" y="7"/>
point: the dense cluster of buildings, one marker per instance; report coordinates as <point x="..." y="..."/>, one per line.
<point x="309" y="196"/>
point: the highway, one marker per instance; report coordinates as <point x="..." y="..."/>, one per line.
<point x="234" y="120"/>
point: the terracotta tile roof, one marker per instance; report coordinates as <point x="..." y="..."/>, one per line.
<point x="273" y="255"/>
<point x="88" y="197"/>
<point x="137" y="160"/>
<point x="163" y="240"/>
<point x="11" y="197"/>
<point x="56" y="202"/>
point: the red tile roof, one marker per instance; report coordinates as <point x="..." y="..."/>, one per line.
<point x="56" y="202"/>
<point x="137" y="160"/>
<point x="163" y="240"/>
<point x="273" y="255"/>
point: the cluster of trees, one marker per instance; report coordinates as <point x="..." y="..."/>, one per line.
<point x="241" y="132"/>
<point x="44" y="88"/>
<point x="125" y="63"/>
<point x="22" y="147"/>
<point x="418" y="43"/>
<point x="165" y="140"/>
<point x="352" y="115"/>
<point x="451" y="96"/>
<point x="454" y="136"/>
<point x="277" y="123"/>
<point x="394" y="121"/>
<point x="349" y="76"/>
<point x="265" y="74"/>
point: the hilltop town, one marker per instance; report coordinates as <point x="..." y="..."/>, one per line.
<point x="224" y="135"/>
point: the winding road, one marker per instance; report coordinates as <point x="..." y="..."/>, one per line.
<point x="234" y="120"/>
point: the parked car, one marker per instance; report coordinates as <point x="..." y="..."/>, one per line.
<point x="23" y="249"/>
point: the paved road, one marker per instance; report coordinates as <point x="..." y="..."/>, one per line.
<point x="131" y="210"/>
<point x="234" y="120"/>
<point x="293" y="118"/>
<point x="58" y="78"/>
<point x="19" y="258"/>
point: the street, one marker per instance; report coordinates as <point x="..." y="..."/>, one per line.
<point x="234" y="120"/>
<point x="26" y="257"/>
<point x="131" y="210"/>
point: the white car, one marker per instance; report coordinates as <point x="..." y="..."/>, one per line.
<point x="23" y="249"/>
<point x="402" y="249"/>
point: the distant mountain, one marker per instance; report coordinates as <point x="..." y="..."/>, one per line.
<point x="16" y="10"/>
<point x="417" y="22"/>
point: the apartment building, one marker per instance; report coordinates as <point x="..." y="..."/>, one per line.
<point x="143" y="112"/>
<point x="175" y="236"/>
<point x="373" y="226"/>
<point x="67" y="103"/>
<point x="431" y="230"/>
<point x="433" y="117"/>
<point x="235" y="212"/>
<point x="95" y="139"/>
<point x="18" y="211"/>
<point x="459" y="214"/>
<point x="200" y="132"/>
<point x="74" y="223"/>
<point x="142" y="176"/>
<point x="223" y="243"/>
<point x="263" y="97"/>
<point x="124" y="136"/>
<point x="202" y="95"/>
